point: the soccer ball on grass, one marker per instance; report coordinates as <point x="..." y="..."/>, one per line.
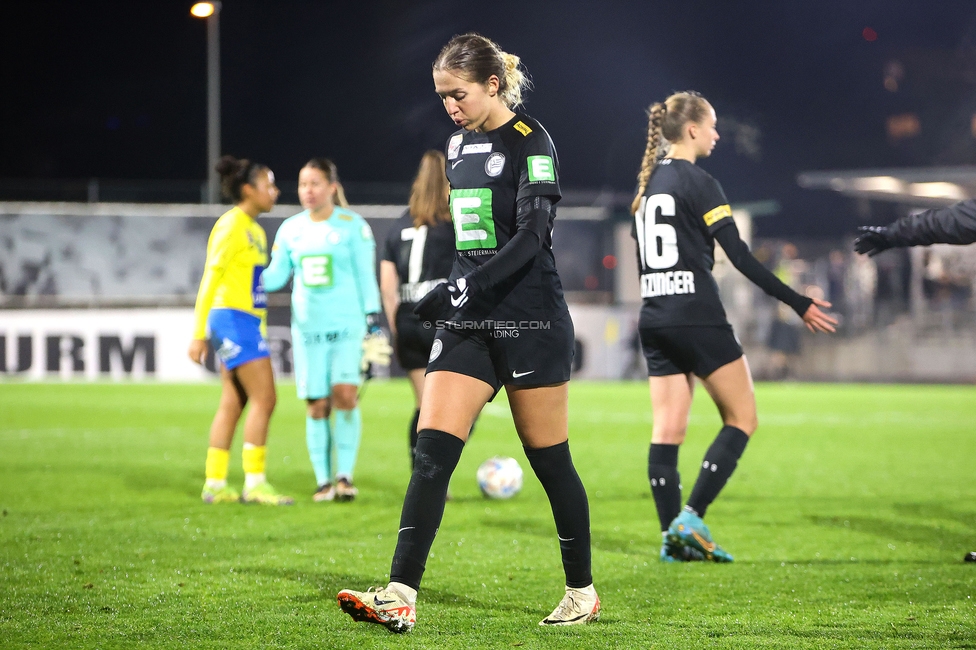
<point x="500" y="477"/>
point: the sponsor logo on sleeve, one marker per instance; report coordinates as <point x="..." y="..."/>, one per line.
<point x="717" y="214"/>
<point x="495" y="164"/>
<point x="454" y="146"/>
<point x="478" y="147"/>
<point x="541" y="169"/>
<point x="522" y="127"/>
<point x="259" y="298"/>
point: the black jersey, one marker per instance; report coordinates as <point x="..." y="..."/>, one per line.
<point x="424" y="255"/>
<point x="681" y="210"/>
<point x="490" y="172"/>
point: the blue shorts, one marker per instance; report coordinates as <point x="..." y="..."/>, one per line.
<point x="325" y="358"/>
<point x="236" y="337"/>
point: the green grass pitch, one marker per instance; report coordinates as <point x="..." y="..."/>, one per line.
<point x="848" y="517"/>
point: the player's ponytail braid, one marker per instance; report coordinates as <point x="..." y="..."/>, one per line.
<point x="665" y="123"/>
<point x="655" y="118"/>
<point x="476" y="58"/>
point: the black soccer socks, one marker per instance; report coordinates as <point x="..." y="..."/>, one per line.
<point x="720" y="461"/>
<point x="413" y="436"/>
<point x="662" y="472"/>
<point x="570" y="509"/>
<point x="436" y="456"/>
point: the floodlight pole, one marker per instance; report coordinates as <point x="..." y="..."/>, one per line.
<point x="213" y="104"/>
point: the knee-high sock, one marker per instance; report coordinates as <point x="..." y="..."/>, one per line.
<point x="570" y="509"/>
<point x="720" y="461"/>
<point x="347" y="430"/>
<point x="317" y="436"/>
<point x="423" y="506"/>
<point x="217" y="461"/>
<point x="662" y="472"/>
<point x="413" y="436"/>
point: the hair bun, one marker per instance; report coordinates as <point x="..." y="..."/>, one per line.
<point x="511" y="61"/>
<point x="228" y="165"/>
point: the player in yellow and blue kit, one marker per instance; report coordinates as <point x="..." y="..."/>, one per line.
<point x="230" y="309"/>
<point x="335" y="299"/>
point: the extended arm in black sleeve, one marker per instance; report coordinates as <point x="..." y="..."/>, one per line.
<point x="740" y="256"/>
<point x="955" y="224"/>
<point x="532" y="222"/>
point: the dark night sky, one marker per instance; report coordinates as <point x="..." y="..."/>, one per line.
<point x="117" y="89"/>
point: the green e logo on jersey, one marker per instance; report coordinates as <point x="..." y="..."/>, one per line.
<point x="541" y="169"/>
<point x="474" y="226"/>
<point x="316" y="270"/>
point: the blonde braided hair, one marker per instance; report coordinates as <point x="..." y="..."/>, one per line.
<point x="665" y="122"/>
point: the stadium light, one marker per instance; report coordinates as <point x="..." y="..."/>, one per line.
<point x="203" y="9"/>
<point x="211" y="11"/>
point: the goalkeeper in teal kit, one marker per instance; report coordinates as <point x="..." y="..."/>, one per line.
<point x="335" y="332"/>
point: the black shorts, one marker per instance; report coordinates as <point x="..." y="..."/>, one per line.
<point x="680" y="350"/>
<point x="520" y="353"/>
<point x="413" y="340"/>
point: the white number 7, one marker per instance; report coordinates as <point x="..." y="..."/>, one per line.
<point x="650" y="233"/>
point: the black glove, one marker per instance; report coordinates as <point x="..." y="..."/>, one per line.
<point x="444" y="299"/>
<point x="873" y="240"/>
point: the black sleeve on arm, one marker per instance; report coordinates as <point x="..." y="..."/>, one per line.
<point x="749" y="266"/>
<point x="955" y="224"/>
<point x="532" y="219"/>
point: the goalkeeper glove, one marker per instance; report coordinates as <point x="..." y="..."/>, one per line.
<point x="376" y="350"/>
<point x="873" y="240"/>
<point x="376" y="346"/>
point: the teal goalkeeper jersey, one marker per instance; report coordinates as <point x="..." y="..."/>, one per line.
<point x="334" y="265"/>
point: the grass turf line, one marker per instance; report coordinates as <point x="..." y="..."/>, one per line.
<point x="848" y="518"/>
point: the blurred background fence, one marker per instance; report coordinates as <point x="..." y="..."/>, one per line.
<point x="85" y="287"/>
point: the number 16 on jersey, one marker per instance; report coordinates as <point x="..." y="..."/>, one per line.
<point x="657" y="242"/>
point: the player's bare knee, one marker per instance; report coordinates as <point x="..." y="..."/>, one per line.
<point x="344" y="398"/>
<point x="668" y="435"/>
<point x="318" y="409"/>
<point x="747" y="423"/>
<point x="266" y="403"/>
<point x="346" y="404"/>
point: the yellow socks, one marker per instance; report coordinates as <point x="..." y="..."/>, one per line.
<point x="217" y="461"/>
<point x="255" y="459"/>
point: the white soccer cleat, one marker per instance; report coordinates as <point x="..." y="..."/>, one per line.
<point x="577" y="607"/>
<point x="383" y="606"/>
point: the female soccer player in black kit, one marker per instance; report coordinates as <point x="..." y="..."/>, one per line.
<point x="680" y="211"/>
<point x="502" y="321"/>
<point x="418" y="256"/>
<point x="955" y="224"/>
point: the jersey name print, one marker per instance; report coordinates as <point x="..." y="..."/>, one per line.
<point x="513" y="162"/>
<point x="674" y="227"/>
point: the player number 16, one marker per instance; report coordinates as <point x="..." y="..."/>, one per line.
<point x="657" y="242"/>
